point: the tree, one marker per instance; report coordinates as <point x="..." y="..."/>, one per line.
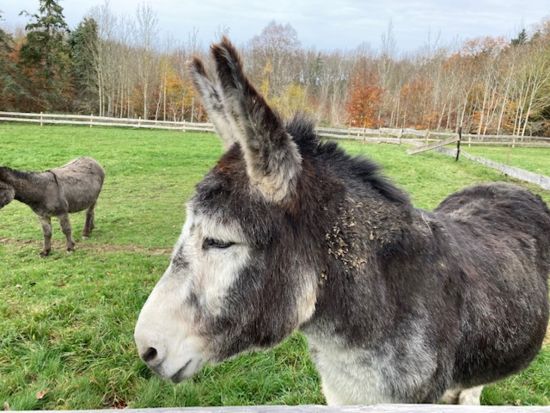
<point x="276" y="48"/>
<point x="293" y="99"/>
<point x="535" y="84"/>
<point x="12" y="90"/>
<point x="45" y="56"/>
<point x="83" y="42"/>
<point x="145" y="38"/>
<point x="364" y="96"/>
<point x="521" y="39"/>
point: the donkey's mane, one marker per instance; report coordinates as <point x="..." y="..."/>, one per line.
<point x="302" y="130"/>
<point x="15" y="172"/>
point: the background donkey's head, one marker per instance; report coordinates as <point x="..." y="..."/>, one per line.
<point x="7" y="193"/>
<point x="241" y="274"/>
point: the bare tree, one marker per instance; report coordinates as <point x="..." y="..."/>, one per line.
<point x="273" y="54"/>
<point x="145" y="40"/>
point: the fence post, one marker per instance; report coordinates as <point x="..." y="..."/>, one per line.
<point x="426" y="136"/>
<point x="139" y="121"/>
<point x="458" y="143"/>
<point x="40" y="118"/>
<point x="91" y="119"/>
<point x="400" y="135"/>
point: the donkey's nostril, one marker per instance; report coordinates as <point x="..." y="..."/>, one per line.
<point x="149" y="355"/>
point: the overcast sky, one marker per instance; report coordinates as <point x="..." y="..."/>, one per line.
<point x="322" y="24"/>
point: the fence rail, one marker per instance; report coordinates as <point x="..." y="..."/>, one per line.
<point x="542" y="181"/>
<point x="420" y="149"/>
<point x="91" y="120"/>
<point x="382" y="135"/>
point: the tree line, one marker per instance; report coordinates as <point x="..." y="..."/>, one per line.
<point x="118" y="66"/>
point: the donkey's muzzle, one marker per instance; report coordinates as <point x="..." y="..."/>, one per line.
<point x="153" y="357"/>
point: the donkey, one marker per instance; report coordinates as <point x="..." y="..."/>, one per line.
<point x="56" y="192"/>
<point x="399" y="305"/>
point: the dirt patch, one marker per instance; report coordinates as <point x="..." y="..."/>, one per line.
<point x="125" y="248"/>
<point x="90" y="246"/>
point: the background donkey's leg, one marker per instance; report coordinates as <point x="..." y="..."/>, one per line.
<point x="66" y="227"/>
<point x="89" y="225"/>
<point x="47" y="230"/>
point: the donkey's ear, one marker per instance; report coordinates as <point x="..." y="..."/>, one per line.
<point x="212" y="101"/>
<point x="272" y="157"/>
<point x="7" y="193"/>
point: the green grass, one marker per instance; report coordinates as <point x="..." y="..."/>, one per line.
<point x="66" y="322"/>
<point x="536" y="160"/>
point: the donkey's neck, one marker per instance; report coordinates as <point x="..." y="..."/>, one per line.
<point x="371" y="311"/>
<point x="28" y="186"/>
<point x="366" y="233"/>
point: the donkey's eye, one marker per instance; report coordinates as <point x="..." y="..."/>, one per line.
<point x="215" y="243"/>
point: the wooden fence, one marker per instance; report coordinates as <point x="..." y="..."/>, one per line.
<point x="542" y="181"/>
<point x="382" y="135"/>
<point x="414" y="136"/>
<point x="91" y="120"/>
<point x="429" y="147"/>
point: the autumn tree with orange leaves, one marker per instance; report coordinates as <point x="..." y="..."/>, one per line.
<point x="365" y="96"/>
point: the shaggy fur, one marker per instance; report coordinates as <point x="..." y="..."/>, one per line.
<point x="57" y="192"/>
<point x="398" y="304"/>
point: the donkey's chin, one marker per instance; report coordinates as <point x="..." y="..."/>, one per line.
<point x="188" y="370"/>
<point x="180" y="372"/>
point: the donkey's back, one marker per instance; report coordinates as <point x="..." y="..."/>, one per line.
<point x="499" y="237"/>
<point x="81" y="181"/>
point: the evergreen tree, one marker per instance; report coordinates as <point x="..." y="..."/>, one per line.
<point x="83" y="43"/>
<point x="45" y="56"/>
<point x="521" y="39"/>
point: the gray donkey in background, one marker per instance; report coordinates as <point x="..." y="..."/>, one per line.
<point x="398" y="304"/>
<point x="57" y="192"/>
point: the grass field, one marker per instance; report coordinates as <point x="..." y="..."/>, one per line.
<point x="536" y="160"/>
<point x="66" y="322"/>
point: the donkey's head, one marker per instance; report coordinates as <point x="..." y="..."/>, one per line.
<point x="238" y="278"/>
<point x="7" y="193"/>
